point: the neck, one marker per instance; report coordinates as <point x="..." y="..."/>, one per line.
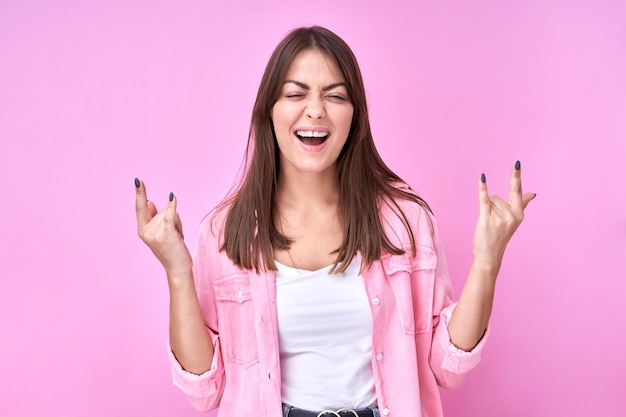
<point x="308" y="191"/>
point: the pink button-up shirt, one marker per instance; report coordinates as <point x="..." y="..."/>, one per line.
<point x="411" y="304"/>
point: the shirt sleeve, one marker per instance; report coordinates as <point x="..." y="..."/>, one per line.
<point x="204" y="391"/>
<point x="449" y="363"/>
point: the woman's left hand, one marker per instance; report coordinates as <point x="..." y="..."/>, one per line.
<point x="498" y="220"/>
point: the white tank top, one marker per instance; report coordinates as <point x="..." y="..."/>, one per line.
<point x="325" y="335"/>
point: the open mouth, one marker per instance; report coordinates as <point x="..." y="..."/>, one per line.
<point x="311" y="137"/>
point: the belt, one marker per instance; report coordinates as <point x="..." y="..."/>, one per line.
<point x="342" y="412"/>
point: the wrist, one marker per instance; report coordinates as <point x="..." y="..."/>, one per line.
<point x="485" y="268"/>
<point x="179" y="278"/>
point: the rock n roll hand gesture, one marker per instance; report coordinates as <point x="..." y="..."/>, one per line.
<point x="497" y="222"/>
<point x="162" y="231"/>
<point x="498" y="219"/>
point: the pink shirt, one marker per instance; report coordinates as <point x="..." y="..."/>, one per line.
<point x="411" y="304"/>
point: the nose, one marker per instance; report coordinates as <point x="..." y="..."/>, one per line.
<point x="315" y="109"/>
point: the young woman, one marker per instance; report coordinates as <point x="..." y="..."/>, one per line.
<point x="320" y="286"/>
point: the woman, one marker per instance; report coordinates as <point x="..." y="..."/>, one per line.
<point x="321" y="284"/>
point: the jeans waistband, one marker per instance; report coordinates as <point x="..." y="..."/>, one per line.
<point x="290" y="411"/>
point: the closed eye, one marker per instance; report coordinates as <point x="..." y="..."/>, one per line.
<point x="294" y="95"/>
<point x="337" y="97"/>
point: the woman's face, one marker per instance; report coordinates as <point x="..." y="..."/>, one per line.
<point x="312" y="115"/>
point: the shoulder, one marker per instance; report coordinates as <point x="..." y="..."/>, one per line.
<point x="210" y="260"/>
<point x="405" y="205"/>
<point x="403" y="217"/>
<point x="212" y="226"/>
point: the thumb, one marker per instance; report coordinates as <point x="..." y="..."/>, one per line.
<point x="527" y="198"/>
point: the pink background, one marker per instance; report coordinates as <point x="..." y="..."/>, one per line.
<point x="94" y="93"/>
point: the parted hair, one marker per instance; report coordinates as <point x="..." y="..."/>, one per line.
<point x="365" y="181"/>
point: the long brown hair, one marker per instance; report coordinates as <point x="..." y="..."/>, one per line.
<point x="250" y="233"/>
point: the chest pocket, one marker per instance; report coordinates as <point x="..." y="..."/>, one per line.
<point x="235" y="311"/>
<point x="413" y="283"/>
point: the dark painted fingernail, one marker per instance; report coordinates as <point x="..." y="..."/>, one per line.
<point x="483" y="179"/>
<point x="518" y="165"/>
<point x="171" y="196"/>
<point x="534" y="195"/>
<point x="137" y="183"/>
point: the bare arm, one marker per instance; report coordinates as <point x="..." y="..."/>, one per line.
<point x="163" y="233"/>
<point x="497" y="222"/>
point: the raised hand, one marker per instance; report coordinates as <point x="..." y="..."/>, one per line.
<point x="162" y="231"/>
<point x="497" y="222"/>
<point x="498" y="219"/>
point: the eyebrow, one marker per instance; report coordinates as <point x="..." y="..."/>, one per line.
<point x="306" y="87"/>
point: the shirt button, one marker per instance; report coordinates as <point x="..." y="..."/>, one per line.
<point x="375" y="301"/>
<point x="379" y="357"/>
<point x="386" y="411"/>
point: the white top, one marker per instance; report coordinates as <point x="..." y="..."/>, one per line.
<point x="325" y="337"/>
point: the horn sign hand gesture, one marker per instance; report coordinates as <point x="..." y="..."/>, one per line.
<point x="498" y="219"/>
<point x="497" y="222"/>
<point x="162" y="231"/>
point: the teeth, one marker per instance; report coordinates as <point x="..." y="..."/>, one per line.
<point x="311" y="134"/>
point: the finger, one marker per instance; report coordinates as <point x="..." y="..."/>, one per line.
<point x="484" y="203"/>
<point x="141" y="203"/>
<point x="515" y="188"/>
<point x="172" y="216"/>
<point x="527" y="198"/>
<point x="170" y="212"/>
<point x="152" y="208"/>
<point x="499" y="206"/>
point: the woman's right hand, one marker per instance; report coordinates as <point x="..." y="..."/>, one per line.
<point x="162" y="231"/>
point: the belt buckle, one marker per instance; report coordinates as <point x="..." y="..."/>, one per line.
<point x="336" y="413"/>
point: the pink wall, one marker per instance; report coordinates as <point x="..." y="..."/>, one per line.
<point x="93" y="94"/>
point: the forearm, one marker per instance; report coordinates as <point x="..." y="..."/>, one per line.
<point x="471" y="316"/>
<point x="497" y="221"/>
<point x="189" y="338"/>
